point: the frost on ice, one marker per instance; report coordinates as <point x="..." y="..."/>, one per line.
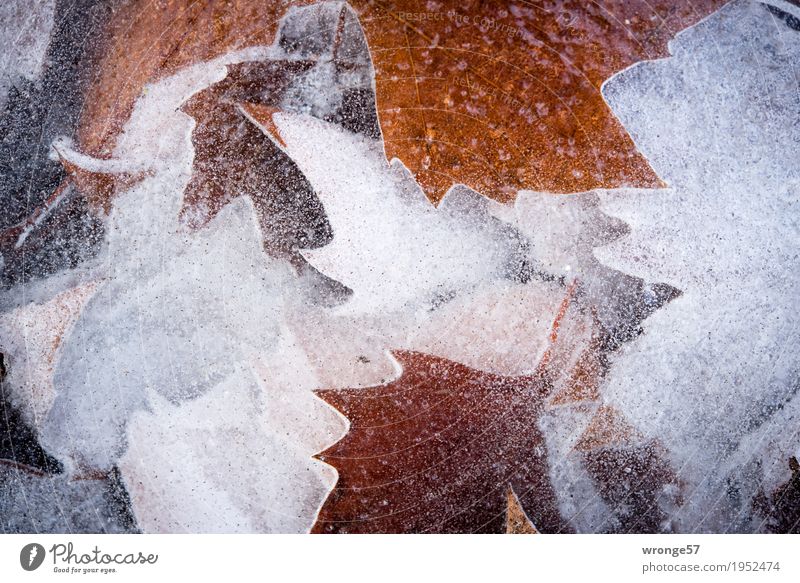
<point x="179" y="361"/>
<point x="715" y="375"/>
<point x="391" y="245"/>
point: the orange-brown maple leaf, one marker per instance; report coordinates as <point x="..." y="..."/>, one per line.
<point x="437" y="451"/>
<point x="506" y="96"/>
<point x="497" y="96"/>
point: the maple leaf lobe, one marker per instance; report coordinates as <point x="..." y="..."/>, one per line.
<point x="504" y="99"/>
<point x="435" y="451"/>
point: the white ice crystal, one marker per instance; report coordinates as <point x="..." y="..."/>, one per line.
<point x="238" y="458"/>
<point x="718" y="121"/>
<point x="391" y="245"/>
<point x="432" y="279"/>
<point x="179" y="330"/>
<point x="563" y="231"/>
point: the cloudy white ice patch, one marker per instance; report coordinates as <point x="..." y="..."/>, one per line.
<point x="719" y="122"/>
<point x="391" y="246"/>
<point x="244" y="451"/>
<point x="179" y="330"/>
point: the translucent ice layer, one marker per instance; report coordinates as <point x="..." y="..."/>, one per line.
<point x="716" y="368"/>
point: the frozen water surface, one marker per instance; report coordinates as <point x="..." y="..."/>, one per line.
<point x="160" y="360"/>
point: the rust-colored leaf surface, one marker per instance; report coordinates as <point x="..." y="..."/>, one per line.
<point x="505" y="96"/>
<point x="437" y="451"/>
